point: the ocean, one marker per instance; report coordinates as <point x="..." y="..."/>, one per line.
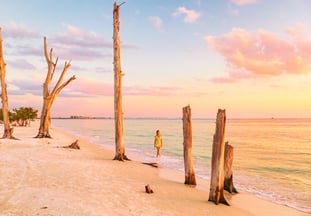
<point x="272" y="157"/>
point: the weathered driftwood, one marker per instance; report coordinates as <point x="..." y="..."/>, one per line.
<point x="228" y="182"/>
<point x="8" y="130"/>
<point x="148" y="189"/>
<point x="48" y="96"/>
<point x="118" y="113"/>
<point x="216" y="194"/>
<point x="74" y="145"/>
<point x="188" y="161"/>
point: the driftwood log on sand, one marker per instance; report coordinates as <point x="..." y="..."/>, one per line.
<point x="73" y="145"/>
<point x="148" y="189"/>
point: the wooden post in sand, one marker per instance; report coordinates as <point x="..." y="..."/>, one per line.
<point x="217" y="173"/>
<point x="8" y="131"/>
<point x="118" y="113"/>
<point x="187" y="131"/>
<point x="228" y="182"/>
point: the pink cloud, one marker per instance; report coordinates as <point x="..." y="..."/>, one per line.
<point x="21" y="64"/>
<point x="15" y="30"/>
<point x="297" y="32"/>
<point x="235" y="75"/>
<point x="262" y="53"/>
<point x="83" y="87"/>
<point x="222" y="80"/>
<point x="190" y="15"/>
<point x="156" y="22"/>
<point x="150" y="91"/>
<point x="243" y="2"/>
<point x="73" y="36"/>
<point x="87" y="87"/>
<point x="75" y="43"/>
<point x="71" y="43"/>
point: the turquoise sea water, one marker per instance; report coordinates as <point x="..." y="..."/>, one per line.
<point x="272" y="157"/>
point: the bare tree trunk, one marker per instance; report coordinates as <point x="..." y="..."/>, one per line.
<point x="49" y="97"/>
<point x="45" y="120"/>
<point x="217" y="173"/>
<point x="8" y="131"/>
<point x="187" y="131"/>
<point x="118" y="113"/>
<point x="228" y="182"/>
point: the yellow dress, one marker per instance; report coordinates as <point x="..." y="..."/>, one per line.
<point x="158" y="141"/>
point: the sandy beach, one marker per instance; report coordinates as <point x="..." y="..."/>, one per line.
<point x="38" y="177"/>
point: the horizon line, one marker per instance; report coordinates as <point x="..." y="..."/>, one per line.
<point x="175" y="118"/>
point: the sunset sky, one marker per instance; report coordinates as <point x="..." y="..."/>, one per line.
<point x="250" y="57"/>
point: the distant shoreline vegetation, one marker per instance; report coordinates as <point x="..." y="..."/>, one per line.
<point x="81" y="117"/>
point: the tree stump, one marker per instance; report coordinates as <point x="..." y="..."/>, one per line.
<point x="148" y="189"/>
<point x="187" y="131"/>
<point x="216" y="194"/>
<point x="228" y="182"/>
<point x="74" y="145"/>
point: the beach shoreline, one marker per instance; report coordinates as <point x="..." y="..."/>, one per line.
<point x="38" y="177"/>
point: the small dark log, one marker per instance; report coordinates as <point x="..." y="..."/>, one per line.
<point x="156" y="165"/>
<point x="148" y="189"/>
<point x="228" y="182"/>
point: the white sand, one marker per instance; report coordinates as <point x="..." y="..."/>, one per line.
<point x="38" y="178"/>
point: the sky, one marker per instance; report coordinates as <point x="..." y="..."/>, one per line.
<point x="250" y="57"/>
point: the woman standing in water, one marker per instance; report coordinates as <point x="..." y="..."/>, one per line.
<point x="158" y="142"/>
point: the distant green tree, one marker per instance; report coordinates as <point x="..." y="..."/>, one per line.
<point x="23" y="116"/>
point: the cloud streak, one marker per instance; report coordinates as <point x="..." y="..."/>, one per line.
<point x="21" y="64"/>
<point x="75" y="43"/>
<point x="90" y="87"/>
<point x="14" y="30"/>
<point x="150" y="91"/>
<point x="262" y="53"/>
<point x="73" y="36"/>
<point x="190" y="16"/>
<point x="243" y="2"/>
<point x="87" y="87"/>
<point x="71" y="43"/>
